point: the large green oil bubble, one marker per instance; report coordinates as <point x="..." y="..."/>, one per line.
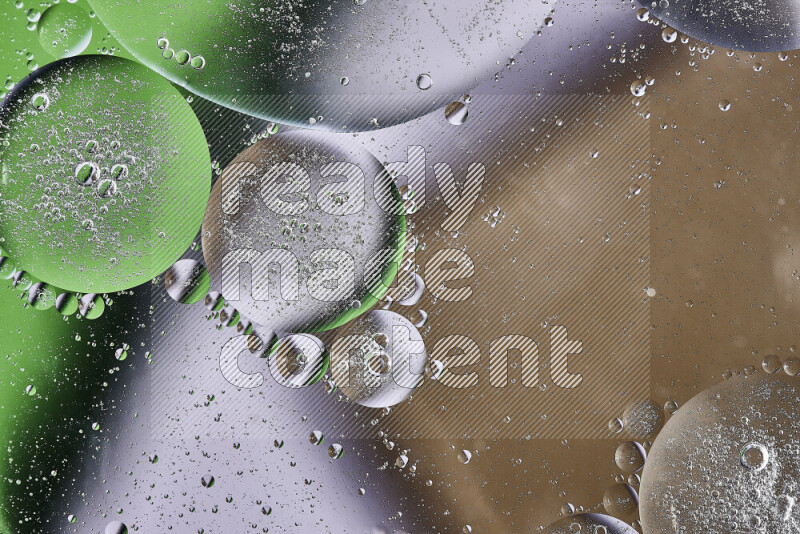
<point x="105" y="174"/>
<point x="328" y="64"/>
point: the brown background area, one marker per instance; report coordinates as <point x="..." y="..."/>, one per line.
<point x="724" y="204"/>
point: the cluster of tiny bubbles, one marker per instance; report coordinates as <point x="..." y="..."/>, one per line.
<point x="187" y="281"/>
<point x="227" y="315"/>
<point x="270" y="129"/>
<point x="64" y="30"/>
<point x="182" y="57"/>
<point x="92" y="187"/>
<point x="589" y="523"/>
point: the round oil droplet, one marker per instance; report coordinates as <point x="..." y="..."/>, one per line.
<point x="86" y="173"/>
<point x="754" y="456"/>
<point x="116" y="527"/>
<point x="638" y="88"/>
<point x="456" y="113"/>
<point x="630" y="457"/>
<point x="335" y="451"/>
<point x="732" y="447"/>
<point x="771" y="363"/>
<point x="316" y="437"/>
<point x="643" y="419"/>
<point x="424" y="81"/>
<point x="65" y="30"/>
<point x="621" y="500"/>
<point x="187" y="281"/>
<point x="66" y="303"/>
<point x="40" y="101"/>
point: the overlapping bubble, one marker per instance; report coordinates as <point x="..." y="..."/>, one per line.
<point x="303" y="232"/>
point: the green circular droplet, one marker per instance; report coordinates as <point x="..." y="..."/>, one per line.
<point x="66" y="303"/>
<point x="182" y="57"/>
<point x="118" y="192"/>
<point x="7" y="268"/>
<point x="91" y="306"/>
<point x="41" y="296"/>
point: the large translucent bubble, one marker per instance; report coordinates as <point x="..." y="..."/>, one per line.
<point x="340" y="64"/>
<point x="105" y="174"/>
<point x="727" y="461"/>
<point x="303" y="232"/>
